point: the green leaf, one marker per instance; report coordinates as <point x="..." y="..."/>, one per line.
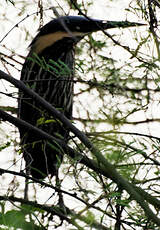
<point x="42" y="121"/>
<point x="16" y="219"/>
<point x="28" y="209"/>
<point x="90" y="217"/>
<point x="124" y="203"/>
<point x="6" y="145"/>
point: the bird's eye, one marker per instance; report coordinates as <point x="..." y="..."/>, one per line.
<point x="78" y="28"/>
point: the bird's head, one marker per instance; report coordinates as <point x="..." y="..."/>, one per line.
<point x="74" y="28"/>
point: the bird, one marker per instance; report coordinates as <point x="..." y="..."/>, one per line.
<point x="49" y="71"/>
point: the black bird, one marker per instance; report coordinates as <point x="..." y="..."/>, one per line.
<point x="49" y="71"/>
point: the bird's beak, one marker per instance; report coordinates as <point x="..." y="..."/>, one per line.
<point x="117" y="24"/>
<point x="103" y="24"/>
<point x="93" y="25"/>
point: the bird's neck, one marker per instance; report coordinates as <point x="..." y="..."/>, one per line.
<point x="62" y="50"/>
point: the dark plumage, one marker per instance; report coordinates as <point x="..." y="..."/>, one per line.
<point x="54" y="44"/>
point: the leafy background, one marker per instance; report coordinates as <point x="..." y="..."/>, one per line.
<point x="116" y="104"/>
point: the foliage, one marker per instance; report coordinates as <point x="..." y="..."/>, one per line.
<point x="116" y="105"/>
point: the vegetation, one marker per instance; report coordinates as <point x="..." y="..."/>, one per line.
<point x="111" y="171"/>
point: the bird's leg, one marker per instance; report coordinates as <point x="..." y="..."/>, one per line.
<point x="26" y="184"/>
<point x="28" y="160"/>
<point x="58" y="185"/>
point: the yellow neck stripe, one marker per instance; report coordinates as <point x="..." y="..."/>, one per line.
<point x="47" y="40"/>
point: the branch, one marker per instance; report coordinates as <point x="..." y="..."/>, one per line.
<point x="154" y="24"/>
<point x="73" y="195"/>
<point x="87" y="120"/>
<point x="55" y="210"/>
<point x="128" y="145"/>
<point x="132" y="52"/>
<point x="23" y="19"/>
<point x="71" y="152"/>
<point x="47" y="185"/>
<point x="107" y="168"/>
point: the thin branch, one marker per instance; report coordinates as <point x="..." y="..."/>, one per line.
<point x="47" y="185"/>
<point x="54" y="210"/>
<point x="99" y="84"/>
<point x="128" y="133"/>
<point x="124" y="122"/>
<point x="71" y="152"/>
<point x="153" y="24"/>
<point x="23" y="19"/>
<point x="132" y="52"/>
<point x="73" y="195"/>
<point x="127" y="145"/>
